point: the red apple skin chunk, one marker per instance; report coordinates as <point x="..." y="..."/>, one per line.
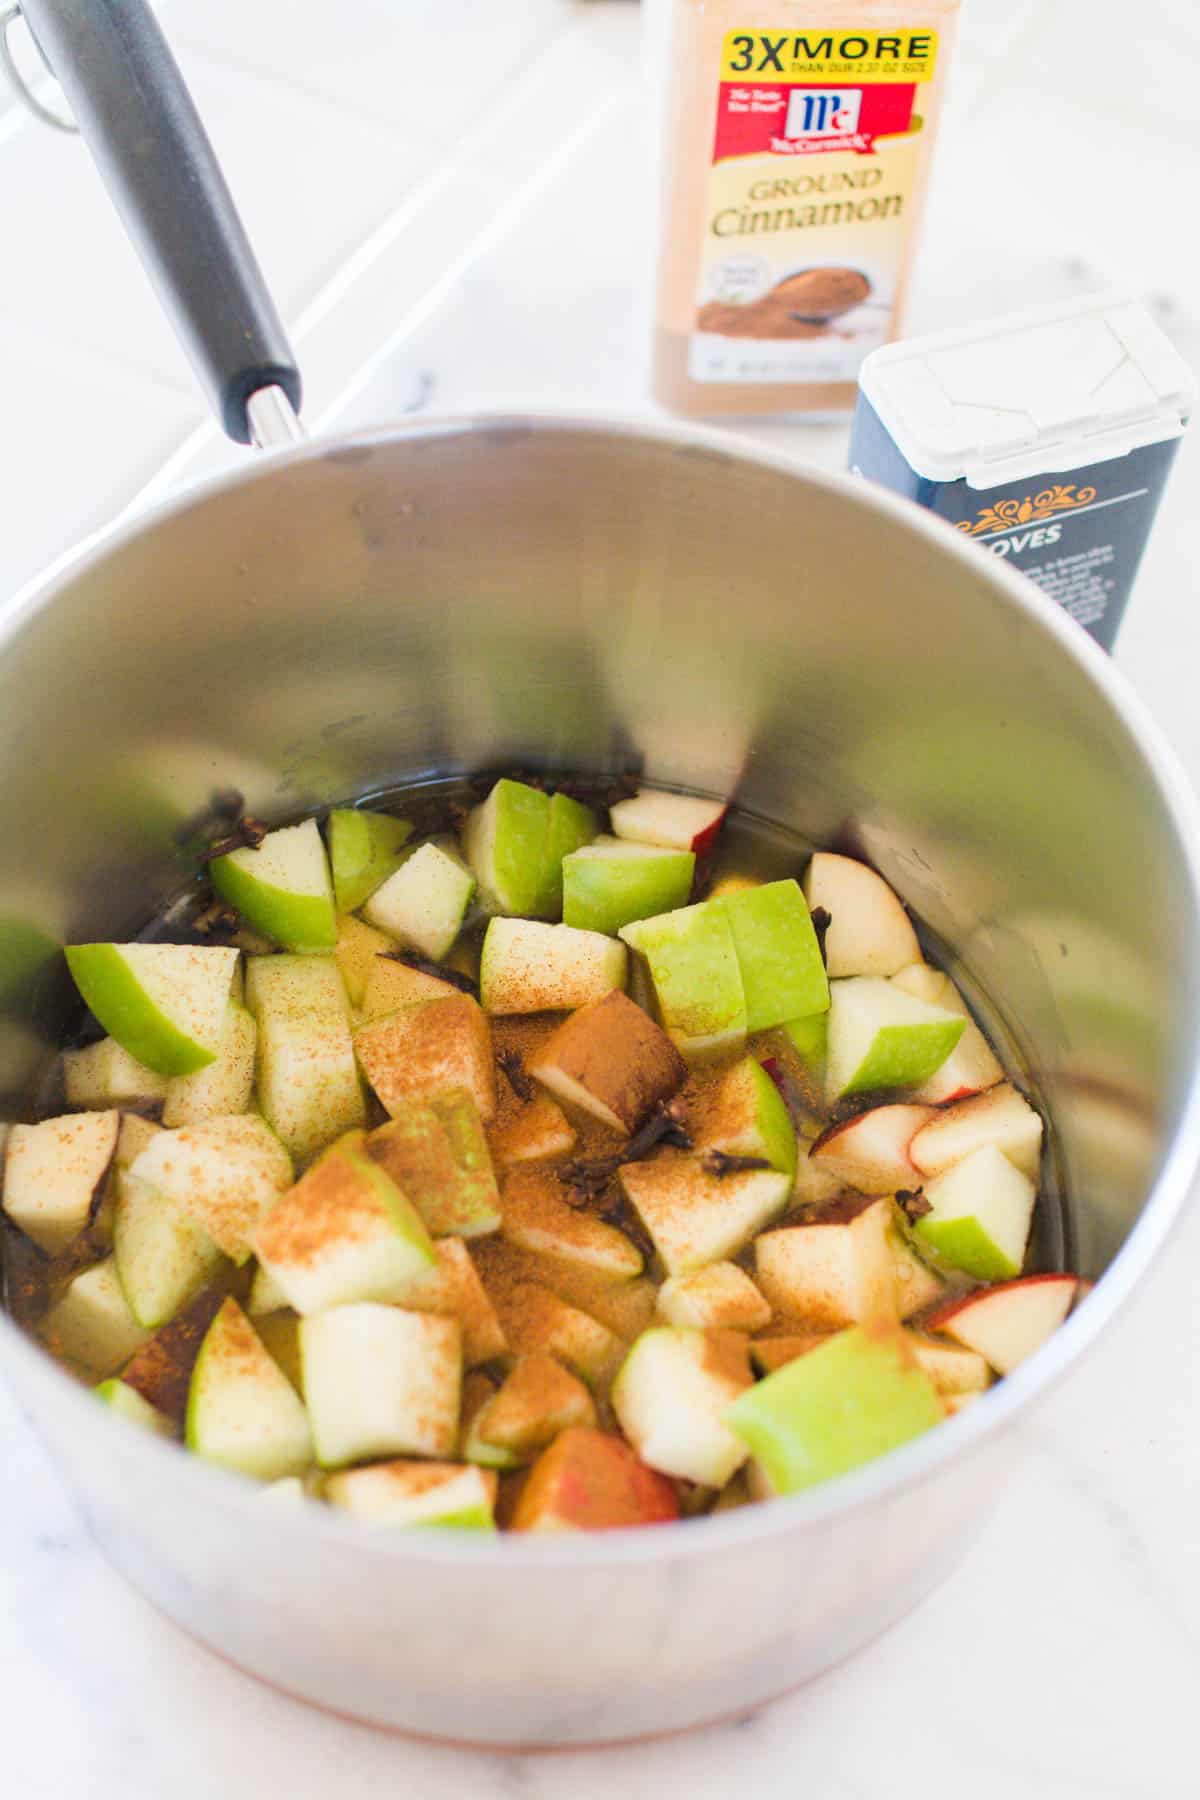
<point x="611" y="1060"/>
<point x="871" y="1152"/>
<point x="672" y="821"/>
<point x="1008" y="1322"/>
<point x="589" y="1480"/>
<point x="869" y="931"/>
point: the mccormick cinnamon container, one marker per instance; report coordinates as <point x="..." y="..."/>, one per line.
<point x="1045" y="437"/>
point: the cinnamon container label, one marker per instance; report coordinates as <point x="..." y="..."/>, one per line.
<point x="815" y="157"/>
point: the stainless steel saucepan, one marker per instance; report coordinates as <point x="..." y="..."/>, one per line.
<point x="344" y="615"/>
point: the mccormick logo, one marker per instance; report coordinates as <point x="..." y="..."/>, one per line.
<point x="822" y="119"/>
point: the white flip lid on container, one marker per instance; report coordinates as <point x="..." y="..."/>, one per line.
<point x="1051" y="389"/>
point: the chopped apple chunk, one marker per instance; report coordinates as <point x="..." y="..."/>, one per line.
<point x="535" y="1319"/>
<point x="426" y="1049"/>
<point x="223" y="1173"/>
<point x="971" y="1066"/>
<point x="869" y="932"/>
<point x="952" y="1368"/>
<point x="344" y="1233"/>
<point x="437" y="1153"/>
<point x="529" y="967"/>
<point x="380" y="1381"/>
<point x="450" y="1496"/>
<point x="774" y="1349"/>
<point x="91" y="1325"/>
<point x="308" y="1085"/>
<point x="980" y="1211"/>
<point x="671" y="1397"/>
<point x="696" y="1217"/>
<point x="358" y="951"/>
<point x="536" y="1216"/>
<point x="872" y="1152"/>
<point x="243" y="1412"/>
<point x="226" y="1086"/>
<point x="1001" y="1117"/>
<point x="538" y="1399"/>
<point x="589" y="1480"/>
<point x="692" y="963"/>
<point x="453" y="1289"/>
<point x="105" y="1075"/>
<point x="718" y="1297"/>
<point x="1006" y="1324"/>
<point x="835" y="1270"/>
<point x="881" y="1037"/>
<point x="55" y="1174"/>
<point x="610" y="1060"/>
<point x="536" y="1131"/>
<point x="392" y="984"/>
<point x="747" y="1117"/>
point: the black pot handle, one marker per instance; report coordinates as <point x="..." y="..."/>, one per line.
<point x="137" y="118"/>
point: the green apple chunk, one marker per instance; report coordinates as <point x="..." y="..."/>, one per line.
<point x="435" y="1150"/>
<point x="747" y="1117"/>
<point x="537" y="1400"/>
<point x="693" y="965"/>
<point x="164" y="1003"/>
<point x="163" y="1257"/>
<point x="243" y="1412"/>
<point x="537" y="1217"/>
<point x="91" y="1325"/>
<point x="609" y="884"/>
<point x="424" y="902"/>
<point x="451" y="1496"/>
<point x="365" y="848"/>
<point x="380" y="1381"/>
<point x="106" y="1075"/>
<point x="809" y="1038"/>
<point x="223" y="1173"/>
<point x="308" y="1086"/>
<point x="127" y="1403"/>
<point x="881" y="1037"/>
<point x="527" y="967"/>
<point x="671" y="1397"/>
<point x="783" y="976"/>
<point x="357" y="952"/>
<point x="571" y="826"/>
<point x="283" y="888"/>
<point x="55" y="1175"/>
<point x="505" y="843"/>
<point x="696" y="1217"/>
<point x="429" y="1049"/>
<point x="981" y="1211"/>
<point x="847" y="1401"/>
<point x="719" y="1297"/>
<point x="344" y="1233"/>
<point x="226" y="1086"/>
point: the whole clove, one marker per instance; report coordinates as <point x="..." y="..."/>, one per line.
<point x="514" y="1073"/>
<point x="822" y="919"/>
<point x="590" y="1176"/>
<point x="217" y="919"/>
<point x="247" y="834"/>
<point x="721" y="1164"/>
<point x="913" y="1204"/>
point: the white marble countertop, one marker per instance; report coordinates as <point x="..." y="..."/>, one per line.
<point x="1063" y="1658"/>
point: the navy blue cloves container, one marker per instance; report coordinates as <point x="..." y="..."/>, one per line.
<point x="1047" y="437"/>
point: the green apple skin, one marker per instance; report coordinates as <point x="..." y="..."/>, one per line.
<point x="608" y="887"/>
<point x="295" y="910"/>
<point x="570" y="825"/>
<point x="697" y="981"/>
<point x="809" y="1039"/>
<point x="129" y="1404"/>
<point x="505" y="843"/>
<point x="364" y="849"/>
<point x="425" y="901"/>
<point x="964" y="1244"/>
<point x="760" y="1124"/>
<point x="839" y="1406"/>
<point x="106" y="977"/>
<point x="907" y="1040"/>
<point x="783" y="975"/>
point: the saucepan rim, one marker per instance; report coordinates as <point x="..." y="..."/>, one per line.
<point x="916" y="1462"/>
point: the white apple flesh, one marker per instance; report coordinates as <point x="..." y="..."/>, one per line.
<point x="1001" y="1117"/>
<point x="1006" y="1324"/>
<point x="871" y="1152"/>
<point x="673" y="821"/>
<point x="869" y="932"/>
